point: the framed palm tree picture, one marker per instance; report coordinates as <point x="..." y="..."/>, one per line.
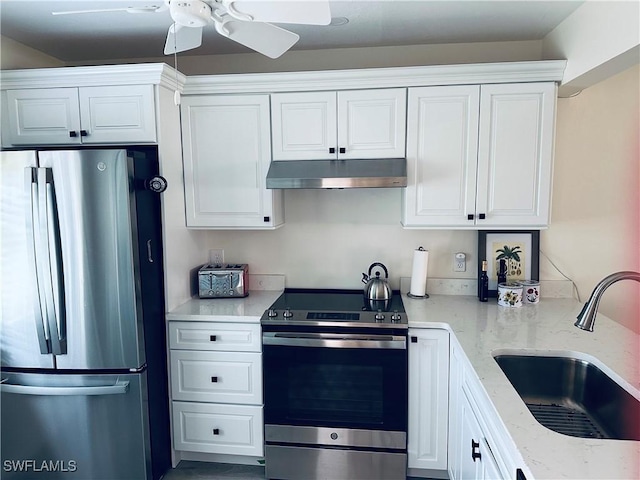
<point x="518" y="248"/>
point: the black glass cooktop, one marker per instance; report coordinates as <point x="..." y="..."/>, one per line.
<point x="334" y="306"/>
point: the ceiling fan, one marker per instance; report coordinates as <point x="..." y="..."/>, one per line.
<point x="243" y="21"/>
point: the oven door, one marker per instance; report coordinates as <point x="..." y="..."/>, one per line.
<point x="336" y="380"/>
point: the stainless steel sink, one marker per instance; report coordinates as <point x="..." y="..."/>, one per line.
<point x="573" y="397"/>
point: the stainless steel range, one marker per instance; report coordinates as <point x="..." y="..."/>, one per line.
<point x="335" y="386"/>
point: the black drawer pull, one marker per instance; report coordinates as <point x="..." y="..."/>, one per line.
<point x="482" y="216"/>
<point x="414" y="339"/>
<point x="475" y="450"/>
<point x="212" y="338"/>
<point x="83" y="133"/>
<point x="470" y="216"/>
<point x="332" y="149"/>
<point x="343" y="150"/>
<point x="216" y="431"/>
<point x="73" y="134"/>
<point x="214" y="379"/>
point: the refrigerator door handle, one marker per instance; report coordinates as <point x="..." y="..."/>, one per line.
<point x="32" y="219"/>
<point x="51" y="262"/>
<point x="120" y="387"/>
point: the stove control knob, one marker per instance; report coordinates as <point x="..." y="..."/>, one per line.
<point x="287" y="313"/>
<point x="396" y="317"/>
<point x="272" y="313"/>
<point x="379" y="316"/>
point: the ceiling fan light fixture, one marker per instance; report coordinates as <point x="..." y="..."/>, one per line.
<point x="190" y="13"/>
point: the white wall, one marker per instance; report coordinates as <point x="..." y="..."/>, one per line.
<point x="595" y="226"/>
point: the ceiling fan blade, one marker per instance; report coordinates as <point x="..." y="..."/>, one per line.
<point x="145" y="9"/>
<point x="308" y="12"/>
<point x="264" y="38"/>
<point x="180" y="39"/>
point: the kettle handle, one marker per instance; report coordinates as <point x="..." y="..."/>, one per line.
<point x="378" y="264"/>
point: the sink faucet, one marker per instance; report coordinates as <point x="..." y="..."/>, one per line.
<point x="587" y="315"/>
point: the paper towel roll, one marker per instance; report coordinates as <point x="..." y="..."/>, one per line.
<point x="419" y="272"/>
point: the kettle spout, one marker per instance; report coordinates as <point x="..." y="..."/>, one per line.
<point x="365" y="278"/>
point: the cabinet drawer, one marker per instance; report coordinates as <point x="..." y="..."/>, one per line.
<point x="215" y="336"/>
<point x="223" y="429"/>
<point x="224" y="377"/>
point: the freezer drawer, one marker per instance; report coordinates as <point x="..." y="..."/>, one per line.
<point x="74" y="427"/>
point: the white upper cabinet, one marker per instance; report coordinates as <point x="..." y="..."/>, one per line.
<point x="86" y="115"/>
<point x="442" y="156"/>
<point x="339" y="125"/>
<point x="515" y="154"/>
<point x="227" y="151"/>
<point x="479" y="156"/>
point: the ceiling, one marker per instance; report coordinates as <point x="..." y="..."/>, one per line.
<point x="122" y="35"/>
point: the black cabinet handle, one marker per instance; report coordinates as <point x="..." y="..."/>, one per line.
<point x="470" y="216"/>
<point x="266" y="219"/>
<point x="414" y="339"/>
<point x="332" y="149"/>
<point x="212" y="338"/>
<point x="216" y="431"/>
<point x="343" y="150"/>
<point x="475" y="450"/>
<point x="83" y="133"/>
<point x="73" y="134"/>
<point x="214" y="379"/>
<point x="481" y="216"/>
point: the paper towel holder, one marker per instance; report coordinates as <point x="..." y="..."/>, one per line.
<point x="418" y="297"/>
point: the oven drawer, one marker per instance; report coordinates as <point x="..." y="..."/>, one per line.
<point x="215" y="336"/>
<point x="223" y="429"/>
<point x="225" y="377"/>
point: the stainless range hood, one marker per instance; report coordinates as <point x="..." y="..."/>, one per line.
<point x="364" y="173"/>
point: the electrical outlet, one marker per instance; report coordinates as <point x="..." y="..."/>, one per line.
<point x="216" y="256"/>
<point x="459" y="262"/>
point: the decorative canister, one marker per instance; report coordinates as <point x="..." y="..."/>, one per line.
<point x="510" y="294"/>
<point x="531" y="291"/>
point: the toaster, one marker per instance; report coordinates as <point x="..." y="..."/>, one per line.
<point x="223" y="280"/>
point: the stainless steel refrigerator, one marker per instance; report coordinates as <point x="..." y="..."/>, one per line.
<point x="82" y="335"/>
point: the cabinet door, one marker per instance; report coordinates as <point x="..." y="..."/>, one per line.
<point x="226" y="149"/>
<point x="428" y="398"/>
<point x="515" y="154"/>
<point x="470" y="443"/>
<point x="304" y="126"/>
<point x="117" y="114"/>
<point x="442" y="149"/>
<point x="372" y="123"/>
<point x="43" y="117"/>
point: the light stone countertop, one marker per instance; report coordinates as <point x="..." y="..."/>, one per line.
<point x="483" y="329"/>
<point x="248" y="309"/>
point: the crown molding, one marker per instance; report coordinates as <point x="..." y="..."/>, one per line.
<point x="105" y="75"/>
<point x="481" y="73"/>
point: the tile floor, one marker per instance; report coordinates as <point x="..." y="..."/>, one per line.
<point x="213" y="471"/>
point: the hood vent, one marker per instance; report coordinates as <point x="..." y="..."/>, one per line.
<point x="365" y="173"/>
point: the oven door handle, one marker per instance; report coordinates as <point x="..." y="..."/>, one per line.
<point x="334" y="340"/>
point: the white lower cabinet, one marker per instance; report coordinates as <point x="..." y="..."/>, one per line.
<point x="428" y="399"/>
<point x="480" y="448"/>
<point x="216" y="388"/>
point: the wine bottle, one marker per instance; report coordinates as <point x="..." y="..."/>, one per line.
<point x="483" y="284"/>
